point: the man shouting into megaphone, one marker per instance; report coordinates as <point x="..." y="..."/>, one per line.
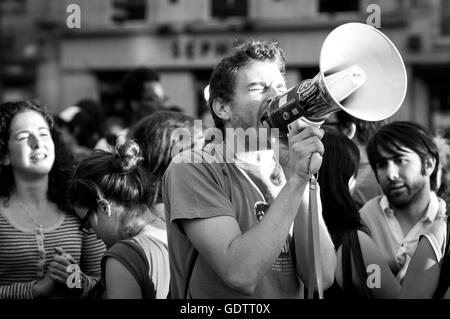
<point x="233" y="212"/>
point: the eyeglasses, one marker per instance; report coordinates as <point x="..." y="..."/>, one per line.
<point x="85" y="225"/>
<point x="100" y="203"/>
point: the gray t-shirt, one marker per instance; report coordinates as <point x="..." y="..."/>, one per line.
<point x="210" y="189"/>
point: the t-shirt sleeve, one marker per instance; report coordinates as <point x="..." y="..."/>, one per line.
<point x="92" y="252"/>
<point x="436" y="235"/>
<point x="91" y="255"/>
<point x="434" y="244"/>
<point x="17" y="290"/>
<point x="196" y="190"/>
<point x="133" y="258"/>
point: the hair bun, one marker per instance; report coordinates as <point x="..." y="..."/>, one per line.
<point x="127" y="156"/>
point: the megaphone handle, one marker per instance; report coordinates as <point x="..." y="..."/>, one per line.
<point x="315" y="159"/>
<point x="314" y="163"/>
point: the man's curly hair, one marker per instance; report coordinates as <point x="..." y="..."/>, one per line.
<point x="223" y="77"/>
<point x="62" y="167"/>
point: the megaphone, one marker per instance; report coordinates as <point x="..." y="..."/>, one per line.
<point x="361" y="72"/>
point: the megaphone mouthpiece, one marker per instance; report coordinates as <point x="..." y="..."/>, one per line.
<point x="343" y="83"/>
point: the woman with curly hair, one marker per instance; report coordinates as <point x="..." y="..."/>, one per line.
<point x="40" y="241"/>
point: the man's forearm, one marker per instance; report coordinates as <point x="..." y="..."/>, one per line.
<point x="268" y="235"/>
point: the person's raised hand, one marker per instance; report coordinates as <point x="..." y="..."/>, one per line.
<point x="305" y="151"/>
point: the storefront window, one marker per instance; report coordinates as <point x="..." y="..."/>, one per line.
<point x="440" y="107"/>
<point x="13" y="6"/>
<point x="229" y="8"/>
<point x="331" y="6"/>
<point x="128" y="10"/>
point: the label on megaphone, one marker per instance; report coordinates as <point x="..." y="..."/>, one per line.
<point x="311" y="101"/>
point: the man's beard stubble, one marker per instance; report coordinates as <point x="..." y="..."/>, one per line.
<point x="412" y="195"/>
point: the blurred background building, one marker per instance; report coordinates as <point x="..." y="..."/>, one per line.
<point x="42" y="58"/>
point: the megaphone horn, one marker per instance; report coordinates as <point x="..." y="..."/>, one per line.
<point x="361" y="72"/>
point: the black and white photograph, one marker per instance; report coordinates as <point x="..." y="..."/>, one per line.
<point x="239" y="152"/>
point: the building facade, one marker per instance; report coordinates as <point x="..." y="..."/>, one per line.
<point x="69" y="58"/>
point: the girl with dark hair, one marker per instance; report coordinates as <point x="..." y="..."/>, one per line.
<point x="355" y="249"/>
<point x="337" y="178"/>
<point x="157" y="136"/>
<point x="110" y="192"/>
<point x="40" y="242"/>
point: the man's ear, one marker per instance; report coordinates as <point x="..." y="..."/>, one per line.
<point x="430" y="164"/>
<point x="350" y="130"/>
<point x="221" y="109"/>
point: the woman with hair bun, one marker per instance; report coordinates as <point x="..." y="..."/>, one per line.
<point x="110" y="192"/>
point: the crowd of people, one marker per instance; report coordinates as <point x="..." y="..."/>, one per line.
<point x="148" y="207"/>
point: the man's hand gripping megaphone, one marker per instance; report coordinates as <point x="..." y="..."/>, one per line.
<point x="301" y="153"/>
<point x="312" y="130"/>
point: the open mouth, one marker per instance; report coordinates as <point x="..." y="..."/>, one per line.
<point x="38" y="156"/>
